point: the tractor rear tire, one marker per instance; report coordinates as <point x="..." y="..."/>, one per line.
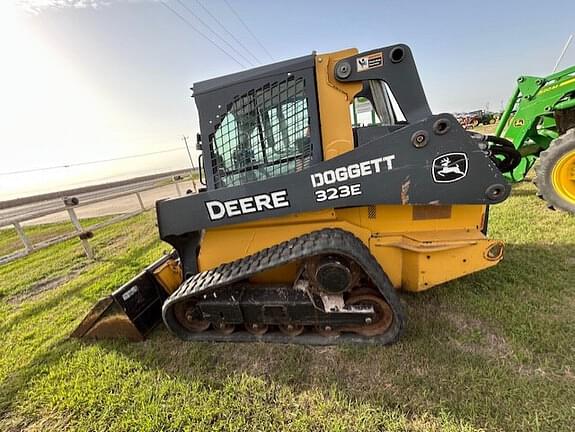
<point x="556" y="173"/>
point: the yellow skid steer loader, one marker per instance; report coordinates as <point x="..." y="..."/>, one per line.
<point x="308" y="226"/>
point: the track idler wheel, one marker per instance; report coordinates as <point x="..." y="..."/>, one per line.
<point x="291" y="329"/>
<point x="383" y="313"/>
<point x="326" y="331"/>
<point x="256" y="329"/>
<point x="224" y="328"/>
<point x="184" y="313"/>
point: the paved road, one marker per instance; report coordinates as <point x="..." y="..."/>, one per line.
<point x="116" y="206"/>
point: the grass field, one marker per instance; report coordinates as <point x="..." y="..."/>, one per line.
<point x="491" y="351"/>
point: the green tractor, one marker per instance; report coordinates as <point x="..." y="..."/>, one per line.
<point x="539" y="120"/>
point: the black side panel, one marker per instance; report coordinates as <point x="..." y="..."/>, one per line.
<point x="368" y="134"/>
<point x="446" y="168"/>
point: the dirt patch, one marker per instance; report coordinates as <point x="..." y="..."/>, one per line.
<point x="18" y="423"/>
<point x="41" y="287"/>
<point x="565" y="373"/>
<point x="478" y="337"/>
<point x="561" y="311"/>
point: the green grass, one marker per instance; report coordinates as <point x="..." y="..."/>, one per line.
<point x="490" y="351"/>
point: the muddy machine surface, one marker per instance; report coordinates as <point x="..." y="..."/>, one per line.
<point x="308" y="227"/>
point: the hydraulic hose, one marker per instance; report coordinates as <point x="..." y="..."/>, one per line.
<point x="501" y="151"/>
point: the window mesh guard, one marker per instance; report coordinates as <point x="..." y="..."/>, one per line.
<point x="265" y="133"/>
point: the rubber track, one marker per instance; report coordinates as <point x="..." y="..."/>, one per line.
<point x="326" y="241"/>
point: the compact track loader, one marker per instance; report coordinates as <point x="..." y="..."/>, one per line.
<point x="307" y="227"/>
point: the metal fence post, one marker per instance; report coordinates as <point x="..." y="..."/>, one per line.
<point x="27" y="245"/>
<point x="74" y="219"/>
<point x="140" y="201"/>
<point x="83" y="234"/>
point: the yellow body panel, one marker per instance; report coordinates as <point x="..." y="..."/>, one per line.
<point x="415" y="254"/>
<point x="169" y="275"/>
<point x="334" y="99"/>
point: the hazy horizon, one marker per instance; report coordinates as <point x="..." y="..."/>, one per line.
<point x="91" y="80"/>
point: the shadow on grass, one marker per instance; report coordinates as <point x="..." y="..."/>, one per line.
<point x="51" y="305"/>
<point x="445" y="362"/>
<point x="467" y="350"/>
<point x="18" y="381"/>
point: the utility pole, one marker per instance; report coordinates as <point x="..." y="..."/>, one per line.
<point x="191" y="162"/>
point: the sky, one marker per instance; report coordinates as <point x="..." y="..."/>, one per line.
<point x="84" y="81"/>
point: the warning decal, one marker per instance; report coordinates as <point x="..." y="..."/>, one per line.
<point x="370" y="61"/>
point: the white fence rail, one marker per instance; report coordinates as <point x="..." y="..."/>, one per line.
<point x="84" y="234"/>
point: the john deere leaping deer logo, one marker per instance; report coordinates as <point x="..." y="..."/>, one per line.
<point x="449" y="167"/>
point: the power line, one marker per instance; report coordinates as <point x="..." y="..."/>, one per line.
<point x="216" y="34"/>
<point x="91" y="162"/>
<point x="215" y="18"/>
<point x="202" y="34"/>
<point x="248" y="29"/>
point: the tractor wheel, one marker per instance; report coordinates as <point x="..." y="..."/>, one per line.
<point x="556" y="173"/>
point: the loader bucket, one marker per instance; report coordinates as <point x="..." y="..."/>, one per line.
<point x="134" y="309"/>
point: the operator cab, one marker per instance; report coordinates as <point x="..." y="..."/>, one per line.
<point x="264" y="123"/>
